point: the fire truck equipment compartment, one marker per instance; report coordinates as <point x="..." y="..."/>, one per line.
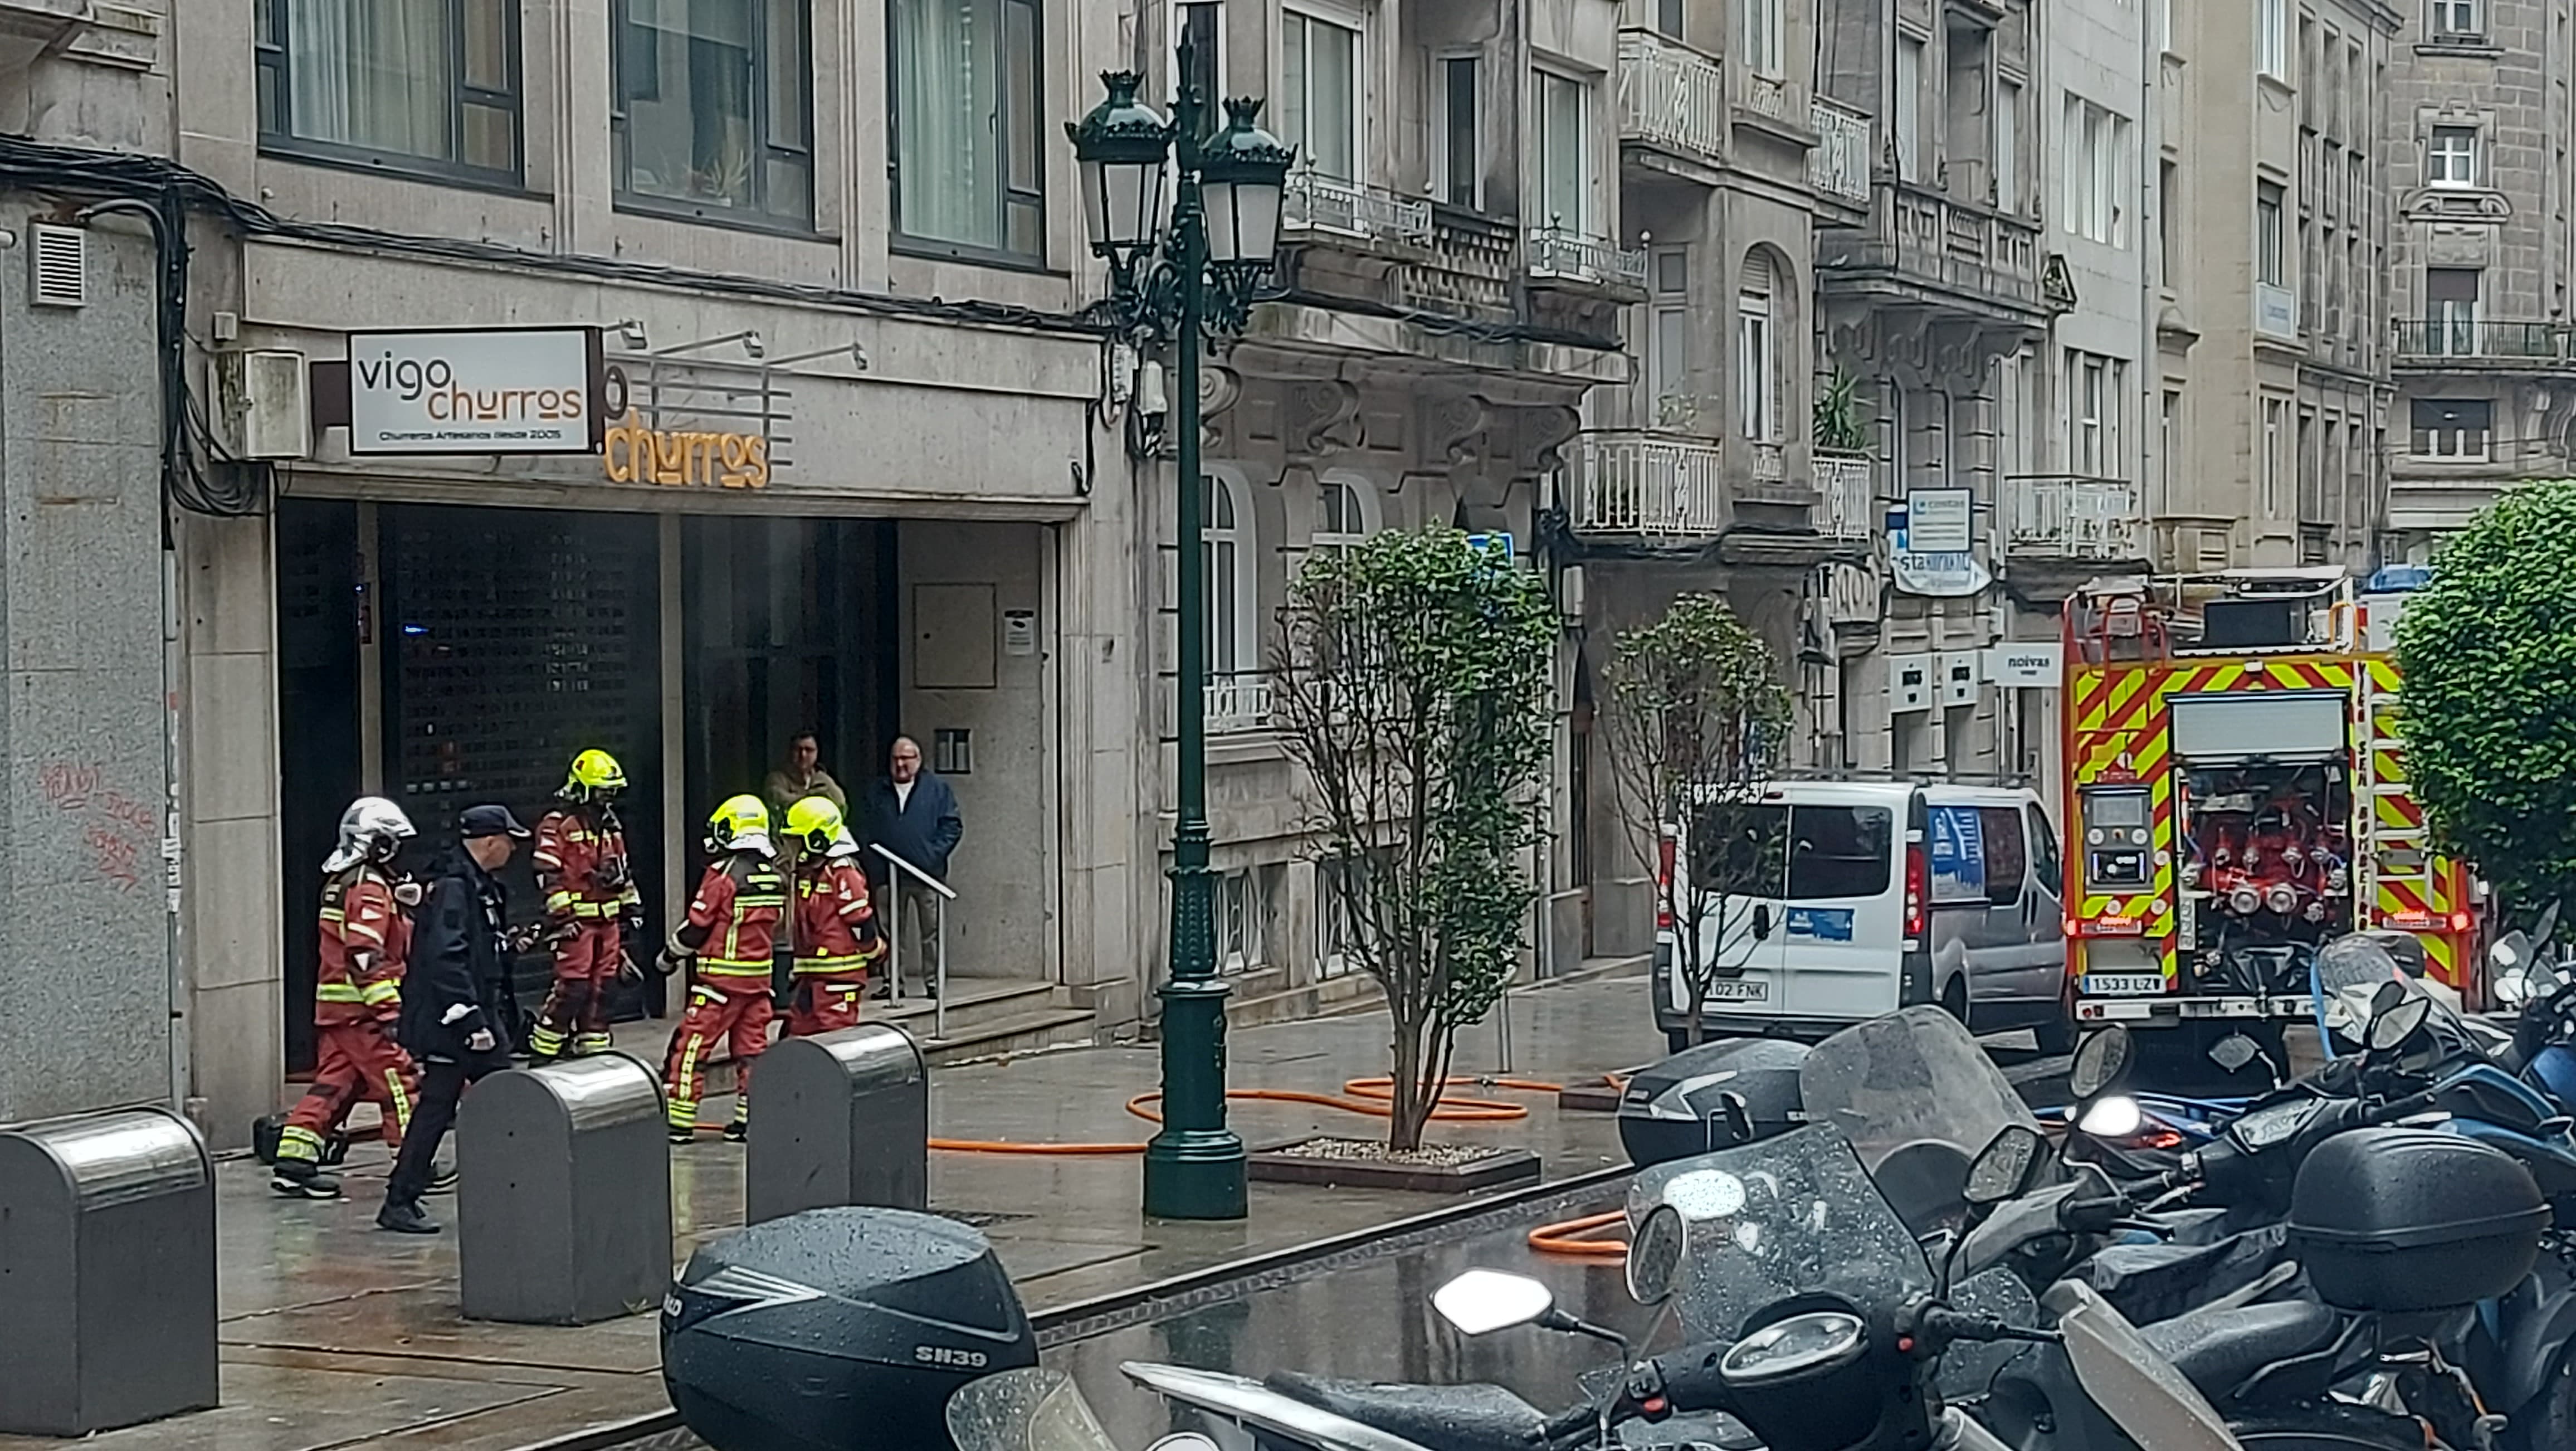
<point x="2307" y="726"/>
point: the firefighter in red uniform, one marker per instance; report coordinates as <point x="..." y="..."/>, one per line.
<point x="590" y="896"/>
<point x="731" y="933"/>
<point x="836" y="932"/>
<point x="357" y="995"/>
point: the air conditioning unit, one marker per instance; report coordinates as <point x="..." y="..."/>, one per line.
<point x="264" y="403"/>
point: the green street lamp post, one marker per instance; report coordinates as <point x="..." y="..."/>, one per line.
<point x="1180" y="293"/>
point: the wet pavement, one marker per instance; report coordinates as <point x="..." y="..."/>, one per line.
<point x="339" y="1335"/>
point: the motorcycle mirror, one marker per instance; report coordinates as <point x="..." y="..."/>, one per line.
<point x="1656" y="1255"/>
<point x="2004" y="1166"/>
<point x="2547" y="924"/>
<point x="1480" y="1302"/>
<point x="2386" y="999"/>
<point x="2101" y="1060"/>
<point x="2510" y="951"/>
<point x="1739" y="1117"/>
<point x="2391" y="1027"/>
<point x="1183" y="1441"/>
<point x="2234" y="1051"/>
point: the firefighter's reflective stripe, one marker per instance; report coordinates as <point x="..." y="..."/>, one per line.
<point x="732" y="967"/>
<point x="339" y="992"/>
<point x="380" y="992"/>
<point x="595" y="909"/>
<point x="297" y="1142"/>
<point x="853" y="963"/>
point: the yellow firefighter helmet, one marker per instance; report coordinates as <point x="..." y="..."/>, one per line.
<point x="741" y="821"/>
<point x="813" y="823"/>
<point x="595" y="776"/>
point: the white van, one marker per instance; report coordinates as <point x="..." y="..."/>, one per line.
<point x="1869" y="896"/>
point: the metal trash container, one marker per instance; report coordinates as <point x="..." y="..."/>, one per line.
<point x="563" y="1193"/>
<point x="843" y="1118"/>
<point x="107" y="1272"/>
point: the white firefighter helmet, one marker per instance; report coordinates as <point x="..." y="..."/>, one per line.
<point x="372" y="829"/>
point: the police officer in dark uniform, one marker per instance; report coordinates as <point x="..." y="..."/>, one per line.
<point x="456" y="1006"/>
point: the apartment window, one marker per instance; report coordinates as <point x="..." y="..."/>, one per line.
<point x="2096" y="173"/>
<point x="1241" y="907"/>
<point x="1564" y="153"/>
<point x="1757" y="361"/>
<point x="2272" y="38"/>
<point x="2268" y="265"/>
<point x="2451" y="157"/>
<point x="1225" y="552"/>
<point x="1668" y="17"/>
<point x="1342" y="516"/>
<point x="1763" y="23"/>
<point x="2451" y="310"/>
<point x="969" y="132"/>
<point x="1462" y="151"/>
<point x="2457" y="20"/>
<point x="1909" y="108"/>
<point x="2167" y="429"/>
<point x="1336" y="911"/>
<point x="2276" y="429"/>
<point x="2454" y="430"/>
<point x="429" y="86"/>
<point x="2012" y="410"/>
<point x="1319" y="93"/>
<point x="1668" y="338"/>
<point x="2168" y="216"/>
<point x="2007" y="146"/>
<point x="2093" y="385"/>
<point x="714" y="110"/>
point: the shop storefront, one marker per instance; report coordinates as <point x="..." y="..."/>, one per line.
<point x="877" y="537"/>
<point x="445" y="655"/>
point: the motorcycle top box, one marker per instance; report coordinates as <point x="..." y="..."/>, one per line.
<point x="1677" y="1108"/>
<point x="2397" y="1220"/>
<point x="837" y="1330"/>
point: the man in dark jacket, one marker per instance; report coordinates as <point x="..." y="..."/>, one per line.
<point x="911" y="813"/>
<point x="455" y="1007"/>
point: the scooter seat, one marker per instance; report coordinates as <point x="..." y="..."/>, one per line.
<point x="2219" y="1349"/>
<point x="1437" y="1418"/>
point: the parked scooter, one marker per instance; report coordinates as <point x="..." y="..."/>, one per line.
<point x="1838" y="1327"/>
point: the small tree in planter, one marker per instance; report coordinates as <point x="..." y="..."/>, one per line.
<point x="1413" y="678"/>
<point x="1692" y="719"/>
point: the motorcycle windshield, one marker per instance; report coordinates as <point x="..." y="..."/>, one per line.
<point x="1915" y="1077"/>
<point x="1034" y="1409"/>
<point x="1794" y="1215"/>
<point x="2353" y="960"/>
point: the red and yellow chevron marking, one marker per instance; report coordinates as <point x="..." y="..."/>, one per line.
<point x="2396" y="813"/>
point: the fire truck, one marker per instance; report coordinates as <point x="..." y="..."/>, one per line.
<point x="2236" y="795"/>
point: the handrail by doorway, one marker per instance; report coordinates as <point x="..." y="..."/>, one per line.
<point x="939" y="942"/>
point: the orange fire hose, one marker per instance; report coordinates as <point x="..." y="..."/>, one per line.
<point x="1578" y="1238"/>
<point x="1374" y="1097"/>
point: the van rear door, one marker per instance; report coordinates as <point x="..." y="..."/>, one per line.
<point x="1843" y="920"/>
<point x="1736" y="853"/>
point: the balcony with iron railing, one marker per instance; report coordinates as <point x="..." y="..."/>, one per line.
<point x="1846" y="495"/>
<point x="1468" y="268"/>
<point x="1838" y="166"/>
<point x="1237" y="701"/>
<point x="1633" y="483"/>
<point x="1315" y="202"/>
<point x="2451" y="342"/>
<point x="1560" y="254"/>
<point x="1917" y="239"/>
<point x="2074" y="519"/>
<point x="1672" y="98"/>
